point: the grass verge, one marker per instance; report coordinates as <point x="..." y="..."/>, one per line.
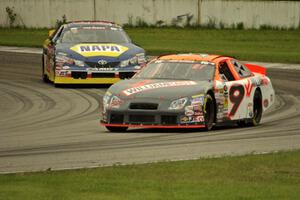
<point x="259" y="45"/>
<point x="269" y="176"/>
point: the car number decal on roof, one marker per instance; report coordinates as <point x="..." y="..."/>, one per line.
<point x="152" y="86"/>
<point x="89" y="50"/>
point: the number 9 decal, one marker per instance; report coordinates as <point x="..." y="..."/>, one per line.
<point x="236" y="95"/>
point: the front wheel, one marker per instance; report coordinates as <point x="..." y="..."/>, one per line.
<point x="116" y="128"/>
<point x="44" y="76"/>
<point x="209" y="112"/>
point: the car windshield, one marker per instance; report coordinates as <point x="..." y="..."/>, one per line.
<point x="94" y="34"/>
<point x="181" y="70"/>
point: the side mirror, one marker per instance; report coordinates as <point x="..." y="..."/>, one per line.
<point x="50" y="33"/>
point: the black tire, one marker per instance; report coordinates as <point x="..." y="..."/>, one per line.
<point x="209" y="112"/>
<point x="257" y="111"/>
<point x="116" y="128"/>
<point x="44" y="76"/>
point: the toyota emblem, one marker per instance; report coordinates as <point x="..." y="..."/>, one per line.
<point x="102" y="62"/>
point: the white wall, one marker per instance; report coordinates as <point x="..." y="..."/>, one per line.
<point x="44" y="13"/>
<point x="252" y="13"/>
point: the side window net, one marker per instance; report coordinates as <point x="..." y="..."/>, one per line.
<point x="225" y="72"/>
<point x="242" y="70"/>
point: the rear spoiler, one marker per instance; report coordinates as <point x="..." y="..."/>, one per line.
<point x="256" y="69"/>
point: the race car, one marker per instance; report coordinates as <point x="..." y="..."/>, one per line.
<point x="189" y="91"/>
<point x="92" y="52"/>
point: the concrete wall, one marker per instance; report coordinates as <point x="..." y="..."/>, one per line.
<point x="252" y="13"/>
<point x="44" y="13"/>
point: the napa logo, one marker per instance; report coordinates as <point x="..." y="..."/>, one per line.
<point x="89" y="50"/>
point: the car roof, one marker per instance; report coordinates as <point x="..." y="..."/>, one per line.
<point x="193" y="57"/>
<point x="88" y="22"/>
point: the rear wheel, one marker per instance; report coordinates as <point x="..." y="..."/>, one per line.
<point x="116" y="128"/>
<point x="209" y="112"/>
<point x="257" y="111"/>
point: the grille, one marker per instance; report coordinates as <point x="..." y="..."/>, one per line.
<point x="140" y="119"/>
<point x="78" y="75"/>
<point x="116" y="119"/>
<point x="168" y="120"/>
<point x="124" y="75"/>
<point x="108" y="65"/>
<point x="144" y="106"/>
<point x="103" y="75"/>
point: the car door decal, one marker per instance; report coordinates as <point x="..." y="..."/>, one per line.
<point x="236" y="95"/>
<point x="248" y="87"/>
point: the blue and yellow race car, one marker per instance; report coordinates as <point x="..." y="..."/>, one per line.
<point x="90" y="52"/>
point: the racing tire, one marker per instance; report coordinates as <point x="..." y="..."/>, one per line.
<point x="209" y="112"/>
<point x="257" y="111"/>
<point x="116" y="128"/>
<point x="44" y="76"/>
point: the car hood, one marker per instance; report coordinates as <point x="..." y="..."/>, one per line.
<point x="85" y="51"/>
<point x="159" y="89"/>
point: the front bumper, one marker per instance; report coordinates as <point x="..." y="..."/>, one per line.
<point x="154" y="126"/>
<point x="88" y="77"/>
<point x="70" y="80"/>
<point x="151" y="119"/>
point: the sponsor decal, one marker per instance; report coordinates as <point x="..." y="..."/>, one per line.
<point x="184" y="119"/>
<point x="197" y="107"/>
<point x="89" y="50"/>
<point x="198" y="119"/>
<point x="198" y="113"/>
<point x="102" y="69"/>
<point x="264" y="81"/>
<point x="189" y="113"/>
<point x="65" y="67"/>
<point x="226" y="103"/>
<point x="152" y="86"/>
<point x="248" y="88"/>
<point x="266" y="103"/>
<point x="197" y="99"/>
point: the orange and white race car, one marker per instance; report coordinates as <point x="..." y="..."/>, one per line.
<point x="189" y="91"/>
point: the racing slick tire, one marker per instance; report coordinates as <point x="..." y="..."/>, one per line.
<point x="209" y="112"/>
<point x="44" y="76"/>
<point x="257" y="111"/>
<point x="116" y="128"/>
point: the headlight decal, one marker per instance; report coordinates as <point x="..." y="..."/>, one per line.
<point x="178" y="104"/>
<point x="135" y="60"/>
<point x="62" y="59"/>
<point x="115" y="102"/>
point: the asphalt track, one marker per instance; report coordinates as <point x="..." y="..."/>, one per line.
<point x="43" y="127"/>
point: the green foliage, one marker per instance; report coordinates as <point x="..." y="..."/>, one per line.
<point x="61" y="21"/>
<point x="240" y="26"/>
<point x="211" y="24"/>
<point x="270" y="176"/>
<point x="11" y="15"/>
<point x="257" y="45"/>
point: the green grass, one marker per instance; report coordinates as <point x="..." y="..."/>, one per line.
<point x="270" y="176"/>
<point x="257" y="45"/>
